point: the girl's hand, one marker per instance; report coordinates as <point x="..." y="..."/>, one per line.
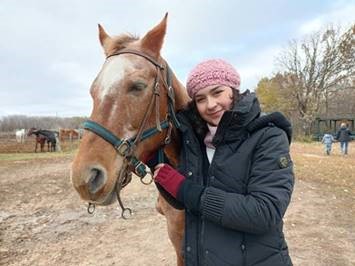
<point x="157" y="169"/>
<point x="169" y="178"/>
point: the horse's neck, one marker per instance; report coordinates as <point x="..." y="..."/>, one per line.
<point x="181" y="97"/>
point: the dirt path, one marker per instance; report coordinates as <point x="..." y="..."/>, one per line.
<point x="43" y="222"/>
<point x="319" y="230"/>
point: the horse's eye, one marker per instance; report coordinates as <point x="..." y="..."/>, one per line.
<point x="137" y="86"/>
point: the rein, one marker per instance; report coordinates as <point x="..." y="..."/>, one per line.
<point x="126" y="147"/>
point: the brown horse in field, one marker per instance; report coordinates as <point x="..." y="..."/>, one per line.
<point x="68" y="134"/>
<point x="134" y="95"/>
<point x="40" y="139"/>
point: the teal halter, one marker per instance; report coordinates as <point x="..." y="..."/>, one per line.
<point x="124" y="146"/>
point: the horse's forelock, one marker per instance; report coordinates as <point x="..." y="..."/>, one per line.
<point x="120" y="42"/>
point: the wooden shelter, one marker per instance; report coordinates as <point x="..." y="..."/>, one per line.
<point x="331" y="125"/>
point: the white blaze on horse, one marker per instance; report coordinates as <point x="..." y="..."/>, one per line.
<point x="135" y="97"/>
<point x="20" y="135"/>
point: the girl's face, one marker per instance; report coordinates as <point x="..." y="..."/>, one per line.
<point x="213" y="101"/>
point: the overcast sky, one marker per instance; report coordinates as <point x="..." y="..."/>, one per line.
<point x="50" y="53"/>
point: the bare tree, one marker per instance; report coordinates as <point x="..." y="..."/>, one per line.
<point x="13" y="122"/>
<point x="315" y="67"/>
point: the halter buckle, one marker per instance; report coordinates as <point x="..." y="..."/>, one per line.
<point x="143" y="173"/>
<point x="124" y="148"/>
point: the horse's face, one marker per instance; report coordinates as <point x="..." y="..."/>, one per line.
<point x="121" y="94"/>
<point x="31" y="131"/>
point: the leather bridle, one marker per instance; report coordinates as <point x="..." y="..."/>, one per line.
<point x="127" y="147"/>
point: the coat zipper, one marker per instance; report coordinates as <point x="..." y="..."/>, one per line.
<point x="243" y="248"/>
<point x="206" y="183"/>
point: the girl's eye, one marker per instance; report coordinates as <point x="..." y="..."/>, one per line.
<point x="199" y="100"/>
<point x="218" y="92"/>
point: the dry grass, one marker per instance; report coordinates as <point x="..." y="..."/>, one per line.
<point x="337" y="172"/>
<point x="9" y="145"/>
<point x="320" y="220"/>
<point x="33" y="156"/>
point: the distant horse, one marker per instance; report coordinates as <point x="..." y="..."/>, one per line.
<point x="40" y="139"/>
<point x="135" y="97"/>
<point x="42" y="136"/>
<point x="20" y="135"/>
<point x="51" y="138"/>
<point x="68" y="133"/>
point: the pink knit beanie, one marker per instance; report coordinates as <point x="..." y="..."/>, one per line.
<point x="212" y="72"/>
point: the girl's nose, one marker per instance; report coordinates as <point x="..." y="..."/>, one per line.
<point x="211" y="103"/>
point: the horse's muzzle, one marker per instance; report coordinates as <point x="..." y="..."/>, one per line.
<point x="93" y="185"/>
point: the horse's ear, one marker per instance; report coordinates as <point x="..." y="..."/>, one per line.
<point x="153" y="40"/>
<point x="105" y="39"/>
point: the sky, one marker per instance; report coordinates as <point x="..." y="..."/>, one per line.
<point x="50" y="52"/>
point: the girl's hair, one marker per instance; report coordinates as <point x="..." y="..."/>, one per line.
<point x="197" y="122"/>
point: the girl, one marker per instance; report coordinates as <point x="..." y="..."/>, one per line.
<point x="235" y="177"/>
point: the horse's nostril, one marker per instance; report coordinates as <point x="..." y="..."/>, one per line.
<point x="96" y="180"/>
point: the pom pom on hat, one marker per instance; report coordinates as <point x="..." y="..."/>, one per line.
<point x="212" y="72"/>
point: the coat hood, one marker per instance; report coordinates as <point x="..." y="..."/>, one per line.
<point x="244" y="118"/>
<point x="246" y="114"/>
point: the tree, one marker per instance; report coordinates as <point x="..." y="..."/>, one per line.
<point x="314" y="67"/>
<point x="13" y="122"/>
<point x="273" y="97"/>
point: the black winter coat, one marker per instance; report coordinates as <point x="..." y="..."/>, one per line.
<point x="344" y="135"/>
<point x="247" y="188"/>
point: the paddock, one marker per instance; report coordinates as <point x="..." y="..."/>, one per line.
<point x="8" y="144"/>
<point x="69" y="134"/>
<point x="43" y="221"/>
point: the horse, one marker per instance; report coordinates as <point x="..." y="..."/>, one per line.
<point x="40" y="139"/>
<point x="135" y="97"/>
<point x="51" y="138"/>
<point x="68" y="133"/>
<point x="42" y="136"/>
<point x="20" y="135"/>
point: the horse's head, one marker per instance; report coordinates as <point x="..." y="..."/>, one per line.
<point x="31" y="131"/>
<point x="125" y="97"/>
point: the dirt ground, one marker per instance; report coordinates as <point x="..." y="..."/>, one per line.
<point x="43" y="221"/>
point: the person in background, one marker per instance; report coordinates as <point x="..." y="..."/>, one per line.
<point x="235" y="177"/>
<point x="344" y="136"/>
<point x="327" y="140"/>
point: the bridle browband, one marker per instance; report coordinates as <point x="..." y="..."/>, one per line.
<point x="126" y="147"/>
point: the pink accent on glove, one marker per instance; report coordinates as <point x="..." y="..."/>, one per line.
<point x="170" y="179"/>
